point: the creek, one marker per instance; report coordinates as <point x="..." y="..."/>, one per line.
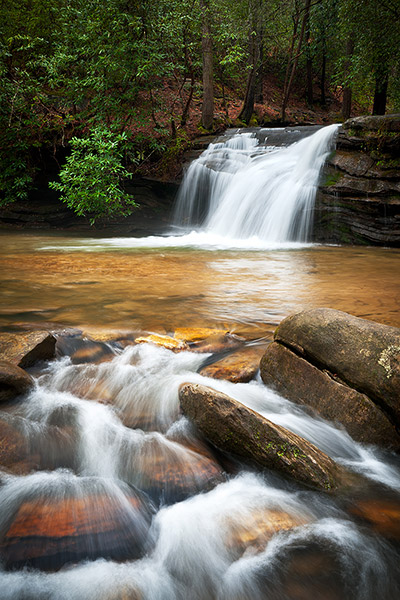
<point x="125" y="500"/>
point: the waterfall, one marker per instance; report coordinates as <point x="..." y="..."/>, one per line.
<point x="241" y="189"/>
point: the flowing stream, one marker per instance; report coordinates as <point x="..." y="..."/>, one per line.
<point x="116" y="497"/>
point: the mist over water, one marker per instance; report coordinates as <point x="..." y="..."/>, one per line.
<point x="120" y="498"/>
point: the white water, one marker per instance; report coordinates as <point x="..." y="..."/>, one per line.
<point x="224" y="543"/>
<point x="268" y="195"/>
<point x="102" y="430"/>
<point x="240" y="195"/>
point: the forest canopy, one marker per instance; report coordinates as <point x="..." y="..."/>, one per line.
<point x="151" y="74"/>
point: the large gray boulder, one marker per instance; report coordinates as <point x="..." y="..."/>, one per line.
<point x="354" y="353"/>
<point x="303" y="383"/>
<point x="234" y="428"/>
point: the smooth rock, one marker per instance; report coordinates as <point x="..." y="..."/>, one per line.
<point x="239" y="367"/>
<point x="234" y="428"/>
<point x="24" y="349"/>
<point x="14" y="449"/>
<point x="382" y="514"/>
<point x="13" y="381"/>
<point x="189" y="335"/>
<point x="390" y="122"/>
<point x="303" y="383"/>
<point x="364" y="354"/>
<point x="252" y="532"/>
<point x="170" y="473"/>
<point x="219" y="342"/>
<point x="83" y="350"/>
<point x="49" y="531"/>
<point x="165" y="341"/>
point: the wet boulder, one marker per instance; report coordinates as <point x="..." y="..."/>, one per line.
<point x="234" y="428"/>
<point x="64" y="525"/>
<point x="303" y="383"/>
<point x="82" y="350"/>
<point x="362" y="354"/>
<point x="169" y="472"/>
<point x="24" y="349"/>
<point x="14" y="448"/>
<point x="14" y="381"/>
<point x="165" y="341"/>
<point x="239" y="367"/>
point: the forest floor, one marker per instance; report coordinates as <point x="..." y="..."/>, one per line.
<point x="165" y="130"/>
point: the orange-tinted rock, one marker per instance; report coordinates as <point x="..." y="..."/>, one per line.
<point x="13" y="381"/>
<point x="81" y="350"/>
<point x="383" y="515"/>
<point x="254" y="531"/>
<point x="218" y="342"/>
<point x="14" y="449"/>
<point x="24" y="349"/>
<point x="239" y="367"/>
<point x="48" y="532"/>
<point x="189" y="335"/>
<point x="165" y="341"/>
<point x="170" y="473"/>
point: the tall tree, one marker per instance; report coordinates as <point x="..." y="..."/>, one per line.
<point x="255" y="29"/>
<point x="207" y="114"/>
<point x="302" y="15"/>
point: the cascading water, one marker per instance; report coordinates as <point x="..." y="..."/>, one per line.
<point x="110" y="494"/>
<point x="240" y="190"/>
<point x="121" y="507"/>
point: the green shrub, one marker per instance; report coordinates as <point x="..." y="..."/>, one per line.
<point x="90" y="181"/>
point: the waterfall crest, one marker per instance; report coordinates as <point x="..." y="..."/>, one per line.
<point x="241" y="190"/>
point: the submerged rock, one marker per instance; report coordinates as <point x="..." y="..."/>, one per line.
<point x="169" y="472"/>
<point x="239" y="367"/>
<point x="49" y="531"/>
<point x="252" y="532"/>
<point x="13" y="381"/>
<point x="363" y="354"/>
<point x="83" y="350"/>
<point x="24" y="349"/>
<point x="234" y="428"/>
<point x="303" y="383"/>
<point x="14" y="449"/>
<point x="197" y="334"/>
<point x="163" y="340"/>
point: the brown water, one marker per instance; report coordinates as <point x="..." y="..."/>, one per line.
<point x="114" y="492"/>
<point x="130" y="288"/>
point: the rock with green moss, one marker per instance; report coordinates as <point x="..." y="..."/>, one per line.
<point x="234" y="428"/>
<point x="297" y="379"/>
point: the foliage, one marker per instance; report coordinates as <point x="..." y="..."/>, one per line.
<point x="90" y="181"/>
<point x="135" y="68"/>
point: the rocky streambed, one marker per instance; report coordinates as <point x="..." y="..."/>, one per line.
<point x="337" y="367"/>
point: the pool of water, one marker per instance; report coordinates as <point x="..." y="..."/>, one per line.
<point x="119" y="498"/>
<point x="77" y="281"/>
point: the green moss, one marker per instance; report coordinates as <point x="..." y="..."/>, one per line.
<point x="331" y="178"/>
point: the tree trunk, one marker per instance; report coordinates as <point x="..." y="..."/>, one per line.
<point x="255" y="39"/>
<point x="286" y="93"/>
<point x="323" y="74"/>
<point x="309" y="94"/>
<point x="347" y="91"/>
<point x="207" y="114"/>
<point x="380" y="96"/>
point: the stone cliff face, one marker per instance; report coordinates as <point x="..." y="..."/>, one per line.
<point x="358" y="201"/>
